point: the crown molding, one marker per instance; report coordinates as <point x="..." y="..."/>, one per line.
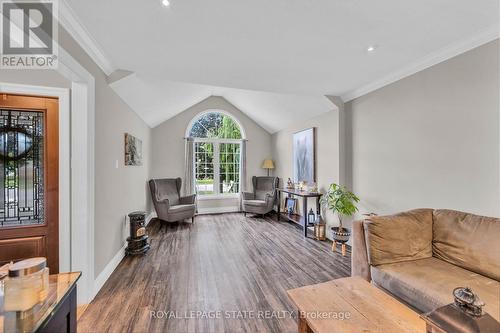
<point x="432" y="59"/>
<point x="69" y="21"/>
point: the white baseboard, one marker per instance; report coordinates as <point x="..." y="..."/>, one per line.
<point x="111" y="266"/>
<point x="108" y="270"/>
<point x="151" y="216"/>
<point x="218" y="210"/>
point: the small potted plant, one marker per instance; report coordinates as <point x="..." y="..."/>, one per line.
<point x="343" y="202"/>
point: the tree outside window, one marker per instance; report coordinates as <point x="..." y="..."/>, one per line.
<point x="216" y="154"/>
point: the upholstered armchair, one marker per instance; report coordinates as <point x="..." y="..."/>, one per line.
<point x="169" y="204"/>
<point x="263" y="197"/>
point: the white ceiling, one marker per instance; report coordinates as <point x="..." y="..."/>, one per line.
<point x="159" y="100"/>
<point x="304" y="48"/>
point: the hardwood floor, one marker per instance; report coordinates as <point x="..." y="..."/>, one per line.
<point x="224" y="266"/>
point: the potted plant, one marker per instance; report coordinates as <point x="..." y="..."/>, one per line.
<point x="343" y="202"/>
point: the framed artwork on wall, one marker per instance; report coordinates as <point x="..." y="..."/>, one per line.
<point x="304" y="156"/>
<point x="133" y="150"/>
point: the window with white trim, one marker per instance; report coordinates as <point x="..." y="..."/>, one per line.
<point x="216" y="154"/>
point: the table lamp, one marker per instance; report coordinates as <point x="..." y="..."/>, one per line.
<point x="268" y="164"/>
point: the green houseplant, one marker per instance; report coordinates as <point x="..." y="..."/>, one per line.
<point x="340" y="200"/>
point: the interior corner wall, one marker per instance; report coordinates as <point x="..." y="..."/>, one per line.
<point x="168" y="146"/>
<point x="119" y="189"/>
<point x="431" y="139"/>
<point x="328" y="168"/>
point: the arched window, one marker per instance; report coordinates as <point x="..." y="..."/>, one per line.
<point x="216" y="154"/>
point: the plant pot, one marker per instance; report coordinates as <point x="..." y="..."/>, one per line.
<point x="340" y="235"/>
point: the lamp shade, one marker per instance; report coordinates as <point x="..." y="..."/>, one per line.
<point x="268" y="164"/>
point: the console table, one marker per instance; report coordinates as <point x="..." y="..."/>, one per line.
<point x="57" y="313"/>
<point x="296" y="218"/>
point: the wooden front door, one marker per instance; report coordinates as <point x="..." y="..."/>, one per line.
<point x="29" y="179"/>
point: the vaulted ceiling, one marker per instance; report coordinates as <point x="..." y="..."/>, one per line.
<point x="275" y="60"/>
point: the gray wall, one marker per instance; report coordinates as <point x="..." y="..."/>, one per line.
<point x="168" y="145"/>
<point x="117" y="191"/>
<point x="430" y="140"/>
<point x="327" y="153"/>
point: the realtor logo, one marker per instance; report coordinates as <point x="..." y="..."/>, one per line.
<point x="29" y="34"/>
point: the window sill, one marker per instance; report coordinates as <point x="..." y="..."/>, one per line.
<point x="218" y="197"/>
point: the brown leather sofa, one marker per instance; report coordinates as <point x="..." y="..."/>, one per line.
<point x="421" y="255"/>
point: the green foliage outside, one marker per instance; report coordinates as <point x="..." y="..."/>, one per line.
<point x="211" y="126"/>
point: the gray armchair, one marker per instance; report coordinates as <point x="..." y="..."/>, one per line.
<point x="263" y="197"/>
<point x="169" y="204"/>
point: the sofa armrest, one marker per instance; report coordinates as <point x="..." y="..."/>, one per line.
<point x="188" y="200"/>
<point x="359" y="256"/>
<point x="248" y="196"/>
<point x="270" y="198"/>
<point x="162" y="207"/>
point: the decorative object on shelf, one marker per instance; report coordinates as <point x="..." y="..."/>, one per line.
<point x="289" y="184"/>
<point x="133" y="150"/>
<point x="302" y="186"/>
<point x="26" y="285"/>
<point x="138" y="240"/>
<point x="304" y="154"/>
<point x="343" y="202"/>
<point x="320" y="231"/>
<point x="297" y="218"/>
<point x="468" y="302"/>
<point x="311" y="217"/>
<point x="269" y="165"/>
<point x="313" y="188"/>
<point x="290" y="204"/>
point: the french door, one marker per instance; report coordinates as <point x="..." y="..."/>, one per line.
<point x="29" y="179"/>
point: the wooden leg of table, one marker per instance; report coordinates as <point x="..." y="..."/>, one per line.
<point x="343" y="249"/>
<point x="278" y="216"/>
<point x="303" y="327"/>
<point x="305" y="216"/>
<point x="334" y="246"/>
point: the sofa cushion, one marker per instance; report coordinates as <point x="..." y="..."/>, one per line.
<point x="182" y="208"/>
<point x="258" y="203"/>
<point x="469" y="241"/>
<point x="427" y="284"/>
<point x="400" y="237"/>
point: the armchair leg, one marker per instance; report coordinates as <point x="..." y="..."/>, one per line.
<point x="192" y="220"/>
<point x="245" y="213"/>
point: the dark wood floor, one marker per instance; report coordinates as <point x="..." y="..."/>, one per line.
<point x="222" y="266"/>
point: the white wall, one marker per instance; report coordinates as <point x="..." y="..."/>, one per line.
<point x="328" y="168"/>
<point x="430" y="140"/>
<point x="168" y="145"/>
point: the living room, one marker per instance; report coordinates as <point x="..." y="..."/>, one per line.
<point x="250" y="167"/>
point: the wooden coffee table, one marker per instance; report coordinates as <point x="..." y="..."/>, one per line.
<point x="352" y="305"/>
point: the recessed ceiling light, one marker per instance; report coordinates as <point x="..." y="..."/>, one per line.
<point x="371" y="48"/>
<point x="165" y="3"/>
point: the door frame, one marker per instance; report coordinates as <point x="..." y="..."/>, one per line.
<point x="76" y="167"/>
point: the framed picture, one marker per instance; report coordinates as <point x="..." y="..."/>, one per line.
<point x="304" y="156"/>
<point x="290" y="204"/>
<point x="133" y="150"/>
